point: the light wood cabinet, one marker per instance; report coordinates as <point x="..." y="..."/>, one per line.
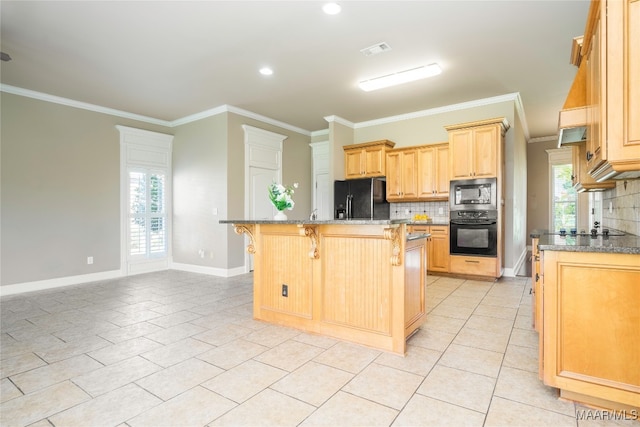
<point x="589" y="338"/>
<point x="402" y="176"/>
<point x="367" y="159"/>
<point x="362" y="283"/>
<point x="415" y="261"/>
<point x="474" y="265"/>
<point x="475" y="149"/>
<point x="433" y="172"/>
<point x="612" y="52"/>
<point x="580" y="178"/>
<point x="437" y="246"/>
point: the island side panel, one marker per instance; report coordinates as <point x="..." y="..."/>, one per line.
<point x="282" y="259"/>
<point x="362" y="292"/>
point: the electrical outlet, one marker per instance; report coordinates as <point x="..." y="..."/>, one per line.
<point x="440" y="211"/>
<point x="89" y="260"/>
<point x="285" y="290"/>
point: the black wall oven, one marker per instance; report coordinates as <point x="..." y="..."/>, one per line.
<point x="474" y="233"/>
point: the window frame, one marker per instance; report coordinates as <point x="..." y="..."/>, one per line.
<point x="559" y="157"/>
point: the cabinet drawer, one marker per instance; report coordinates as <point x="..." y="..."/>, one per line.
<point x="477" y="266"/>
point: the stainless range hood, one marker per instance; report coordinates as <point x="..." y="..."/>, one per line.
<point x="572" y="126"/>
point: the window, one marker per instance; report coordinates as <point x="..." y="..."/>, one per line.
<point x="563" y="198"/>
<point x="147" y="214"/>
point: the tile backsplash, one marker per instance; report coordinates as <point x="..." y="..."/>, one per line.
<point x="621" y="207"/>
<point x="438" y="211"/>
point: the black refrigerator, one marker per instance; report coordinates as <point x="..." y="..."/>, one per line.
<point x="364" y="198"/>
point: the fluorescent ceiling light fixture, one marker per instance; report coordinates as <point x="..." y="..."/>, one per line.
<point x="266" y="71"/>
<point x="400" y="77"/>
<point x="331" y="8"/>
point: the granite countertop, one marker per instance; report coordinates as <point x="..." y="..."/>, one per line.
<point x="626" y="244"/>
<point x="417" y="236"/>
<point x="317" y="222"/>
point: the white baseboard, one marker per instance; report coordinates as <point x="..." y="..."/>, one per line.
<point x="512" y="272"/>
<point x="211" y="271"/>
<point x="41" y="285"/>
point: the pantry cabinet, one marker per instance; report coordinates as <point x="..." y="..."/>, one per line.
<point x="612" y="51"/>
<point x="402" y="178"/>
<point x="366" y="160"/>
<point x="433" y="172"/>
<point x="475" y="149"/>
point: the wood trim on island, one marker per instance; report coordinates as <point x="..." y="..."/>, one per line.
<point x="363" y="283"/>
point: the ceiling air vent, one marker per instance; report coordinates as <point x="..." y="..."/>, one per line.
<point x="375" y="49"/>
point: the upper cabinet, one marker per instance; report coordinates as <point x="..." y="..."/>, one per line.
<point x="419" y="173"/>
<point x="612" y="51"/>
<point x="580" y="178"/>
<point x="402" y="183"/>
<point x="433" y="172"/>
<point x="475" y="149"/>
<point x="366" y="160"/>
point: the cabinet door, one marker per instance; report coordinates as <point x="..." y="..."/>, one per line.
<point x="409" y="174"/>
<point x="426" y="184"/>
<point x="353" y="163"/>
<point x="374" y="161"/>
<point x="485" y="152"/>
<point x="439" y="249"/>
<point x="441" y="177"/>
<point x="394" y="176"/>
<point x="460" y="163"/>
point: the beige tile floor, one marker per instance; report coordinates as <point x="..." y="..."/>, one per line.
<point x="182" y="349"/>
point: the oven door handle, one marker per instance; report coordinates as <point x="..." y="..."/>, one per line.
<point x="474" y="223"/>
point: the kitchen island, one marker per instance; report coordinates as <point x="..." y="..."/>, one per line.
<point x="358" y="280"/>
<point x="587" y="313"/>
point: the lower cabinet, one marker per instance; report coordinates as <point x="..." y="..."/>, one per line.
<point x="590" y="332"/>
<point x="437" y="246"/>
<point x="474" y="265"/>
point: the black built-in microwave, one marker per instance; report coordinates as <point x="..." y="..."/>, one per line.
<point x="473" y="194"/>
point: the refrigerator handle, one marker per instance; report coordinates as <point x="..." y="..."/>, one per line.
<point x="348" y="205"/>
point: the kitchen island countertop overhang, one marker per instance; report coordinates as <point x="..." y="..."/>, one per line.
<point x="362" y="281"/>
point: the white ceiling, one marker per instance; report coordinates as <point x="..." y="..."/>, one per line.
<point x="172" y="59"/>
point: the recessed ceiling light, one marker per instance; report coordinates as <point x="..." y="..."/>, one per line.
<point x="266" y="71"/>
<point x="400" y="77"/>
<point x="331" y="8"/>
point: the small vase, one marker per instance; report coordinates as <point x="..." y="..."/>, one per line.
<point x="280" y="216"/>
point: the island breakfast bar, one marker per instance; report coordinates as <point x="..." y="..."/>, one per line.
<point x="358" y="280"/>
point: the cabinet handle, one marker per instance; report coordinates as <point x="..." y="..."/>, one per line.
<point x="589" y="155"/>
<point x="473" y="262"/>
<point x="537" y="277"/>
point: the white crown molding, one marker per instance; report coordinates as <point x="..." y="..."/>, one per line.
<point x="82" y="105"/>
<point x="112" y="112"/>
<point x="268" y="120"/>
<point x="322" y="132"/>
<point x="543" y="139"/>
<point x="340" y="120"/>
<point x="515" y="97"/>
<point x="199" y="116"/>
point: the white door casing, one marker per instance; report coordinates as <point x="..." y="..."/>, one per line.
<point x="263" y="165"/>
<point x="321" y="196"/>
<point x="148" y="151"/>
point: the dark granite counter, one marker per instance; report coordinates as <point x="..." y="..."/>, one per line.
<point x="317" y="222"/>
<point x="625" y="244"/>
